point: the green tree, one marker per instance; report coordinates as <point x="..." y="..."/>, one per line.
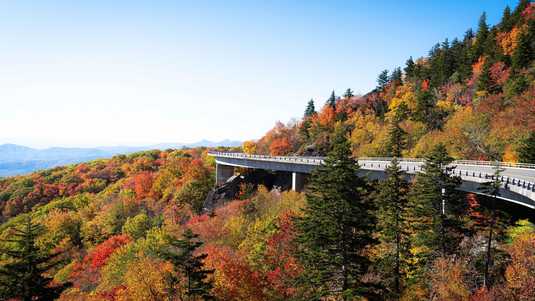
<point x="484" y="80"/>
<point x="382" y="80"/>
<point x="397" y="140"/>
<point x="348" y="93"/>
<point x="194" y="193"/>
<point x="194" y="281"/>
<point x="507" y="22"/>
<point x="391" y="224"/>
<point x="137" y="226"/>
<point x="22" y="274"/>
<point x="435" y="209"/>
<point x="523" y="53"/>
<point x="332" y="100"/>
<point x="426" y="110"/>
<point x="410" y="68"/>
<point x="336" y="226"/>
<point x="310" y="110"/>
<point x="481" y="37"/>
<point x="396" y="76"/>
<point x="526" y="152"/>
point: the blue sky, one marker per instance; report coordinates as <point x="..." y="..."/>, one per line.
<point x="92" y="73"/>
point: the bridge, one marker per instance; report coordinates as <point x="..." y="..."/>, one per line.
<point x="518" y="178"/>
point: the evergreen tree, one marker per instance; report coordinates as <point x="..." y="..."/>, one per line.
<point x="462" y="67"/>
<point x="22" y="274"/>
<point x="468" y="36"/>
<point x="392" y="206"/>
<point x="332" y="100"/>
<point x="348" y="93"/>
<point x="336" y="226"/>
<point x="484" y="80"/>
<point x="481" y="37"/>
<point x="526" y="152"/>
<point x="524" y="51"/>
<point x="310" y="110"/>
<point x="435" y="209"/>
<point x="397" y="140"/>
<point x="491" y="48"/>
<point x="507" y="22"/>
<point x="382" y="80"/>
<point x="426" y="111"/>
<point x="396" y="76"/>
<point x="409" y="68"/>
<point x="182" y="255"/>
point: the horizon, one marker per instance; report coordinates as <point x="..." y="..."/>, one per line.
<point x="135" y="74"/>
<point x="104" y="147"/>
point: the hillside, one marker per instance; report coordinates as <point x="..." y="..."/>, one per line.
<point x="112" y="220"/>
<point x="18" y="159"/>
<point x="132" y="227"/>
<point x="475" y="94"/>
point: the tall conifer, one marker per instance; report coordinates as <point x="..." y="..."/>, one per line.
<point x="194" y="282"/>
<point x="336" y="226"/>
<point x="22" y="276"/>
<point x="391" y="224"/>
<point x="435" y="209"/>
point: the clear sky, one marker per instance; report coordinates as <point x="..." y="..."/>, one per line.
<point x="93" y="73"/>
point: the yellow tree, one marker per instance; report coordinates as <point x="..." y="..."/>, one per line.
<point x="147" y="279"/>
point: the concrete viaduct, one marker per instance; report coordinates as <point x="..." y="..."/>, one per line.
<point x="518" y="178"/>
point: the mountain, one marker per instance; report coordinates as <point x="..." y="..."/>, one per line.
<point x="18" y="159"/>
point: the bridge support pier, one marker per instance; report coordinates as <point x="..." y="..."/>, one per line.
<point x="298" y="181"/>
<point x="223" y="173"/>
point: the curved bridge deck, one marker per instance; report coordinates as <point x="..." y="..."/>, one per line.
<point x="518" y="179"/>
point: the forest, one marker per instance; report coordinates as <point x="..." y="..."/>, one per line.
<point x="135" y="227"/>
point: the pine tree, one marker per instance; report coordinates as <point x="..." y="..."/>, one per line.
<point x="182" y="255"/>
<point x="396" y="76"/>
<point x="426" y="111"/>
<point x="526" y="152"/>
<point x="523" y="53"/>
<point x="382" y="80"/>
<point x="507" y="22"/>
<point x="481" y="37"/>
<point x="409" y="68"/>
<point x="462" y="67"/>
<point x="348" y="93"/>
<point x="435" y="208"/>
<point x="310" y="110"/>
<point x="22" y="274"/>
<point x="336" y="226"/>
<point x="332" y="100"/>
<point x="484" y="80"/>
<point x="397" y="140"/>
<point x="491" y="48"/>
<point x="392" y="203"/>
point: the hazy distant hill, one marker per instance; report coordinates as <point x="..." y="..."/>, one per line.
<point x="18" y="159"/>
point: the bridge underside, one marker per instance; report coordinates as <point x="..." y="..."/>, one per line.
<point x="225" y="169"/>
<point x="285" y="179"/>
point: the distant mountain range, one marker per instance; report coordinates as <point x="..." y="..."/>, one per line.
<point x="18" y="159"/>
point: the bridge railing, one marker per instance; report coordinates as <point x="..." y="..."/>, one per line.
<point x="318" y="160"/>
<point x="289" y="159"/>
<point x="506" y="181"/>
